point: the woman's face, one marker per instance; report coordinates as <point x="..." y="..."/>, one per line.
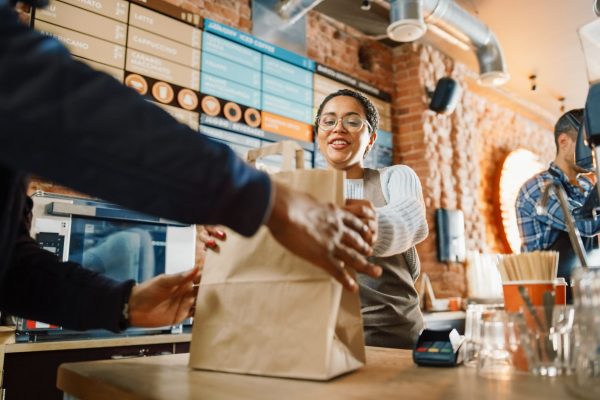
<point x="344" y="147"/>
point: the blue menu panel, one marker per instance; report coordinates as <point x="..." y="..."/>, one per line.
<point x="229" y="70"/>
<point x="229" y="90"/>
<point x="230" y="137"/>
<point x="257" y="44"/>
<point x="287" y="90"/>
<point x="238" y="127"/>
<point x="384" y="139"/>
<point x="289" y="72"/>
<point x="287" y="108"/>
<point x="232" y="51"/>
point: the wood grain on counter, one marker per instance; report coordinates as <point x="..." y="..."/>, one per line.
<point x="95" y="343"/>
<point x="389" y="373"/>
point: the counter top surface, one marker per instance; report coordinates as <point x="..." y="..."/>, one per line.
<point x="97" y="342"/>
<point x="389" y="373"/>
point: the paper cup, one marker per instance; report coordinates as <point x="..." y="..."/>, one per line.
<point x="513" y="300"/>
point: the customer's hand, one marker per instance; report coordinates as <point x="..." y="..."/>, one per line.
<point x="326" y="235"/>
<point x="364" y="210"/>
<point x="164" y="300"/>
<point x="209" y="235"/>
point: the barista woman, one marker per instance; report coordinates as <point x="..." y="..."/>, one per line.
<point x="346" y="126"/>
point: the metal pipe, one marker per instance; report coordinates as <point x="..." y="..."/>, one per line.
<point x="293" y="10"/>
<point x="407" y="23"/>
<point x="450" y="17"/>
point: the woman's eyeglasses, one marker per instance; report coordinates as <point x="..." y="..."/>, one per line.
<point x="351" y="123"/>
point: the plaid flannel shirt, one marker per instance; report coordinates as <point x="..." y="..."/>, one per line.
<point x="539" y="232"/>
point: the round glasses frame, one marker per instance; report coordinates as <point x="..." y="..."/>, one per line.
<point x="345" y="123"/>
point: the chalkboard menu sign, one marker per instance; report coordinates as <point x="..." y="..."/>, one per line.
<point x="224" y="83"/>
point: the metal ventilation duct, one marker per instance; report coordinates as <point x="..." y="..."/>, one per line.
<point x="293" y="10"/>
<point x="409" y="19"/>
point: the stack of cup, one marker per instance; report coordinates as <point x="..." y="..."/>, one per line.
<point x="476" y="314"/>
<point x="513" y="300"/>
<point x="536" y="301"/>
<point x="547" y="339"/>
<point x="586" y="299"/>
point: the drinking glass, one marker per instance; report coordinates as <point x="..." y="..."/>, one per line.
<point x="475" y="315"/>
<point x="585" y="382"/>
<point x="548" y="340"/>
<point x="497" y="344"/>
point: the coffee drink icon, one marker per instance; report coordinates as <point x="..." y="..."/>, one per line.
<point x="163" y="92"/>
<point x="187" y="99"/>
<point x="210" y="106"/>
<point x="137" y="83"/>
<point x="252" y="117"/>
<point x="232" y="112"/>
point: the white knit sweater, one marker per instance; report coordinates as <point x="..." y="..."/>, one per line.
<point x="402" y="222"/>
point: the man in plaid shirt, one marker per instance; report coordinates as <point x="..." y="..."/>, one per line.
<point x="548" y="231"/>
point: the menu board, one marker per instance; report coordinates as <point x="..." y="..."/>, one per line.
<point x="251" y="87"/>
<point x="222" y="82"/>
<point x="163" y="61"/>
<point x="155" y="52"/>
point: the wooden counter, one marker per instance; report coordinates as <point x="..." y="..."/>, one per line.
<point x="19" y="362"/>
<point x="389" y="373"/>
<point x="97" y="343"/>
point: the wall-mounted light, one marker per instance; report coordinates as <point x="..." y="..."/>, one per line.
<point x="561" y="100"/>
<point x="365" y="5"/>
<point x="533" y="82"/>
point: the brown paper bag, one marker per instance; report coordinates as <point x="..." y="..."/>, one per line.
<point x="262" y="310"/>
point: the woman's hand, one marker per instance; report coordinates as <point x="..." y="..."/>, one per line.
<point x="209" y="235"/>
<point x="364" y="210"/>
<point x="164" y="300"/>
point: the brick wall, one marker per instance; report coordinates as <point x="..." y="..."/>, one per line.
<point x="457" y="157"/>
<point x="235" y="13"/>
<point x="343" y="48"/>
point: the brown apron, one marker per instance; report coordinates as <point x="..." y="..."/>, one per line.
<point x="390" y="304"/>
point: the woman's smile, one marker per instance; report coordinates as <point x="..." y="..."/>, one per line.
<point x="338" y="143"/>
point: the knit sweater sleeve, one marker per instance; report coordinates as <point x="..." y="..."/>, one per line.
<point x="402" y="222"/>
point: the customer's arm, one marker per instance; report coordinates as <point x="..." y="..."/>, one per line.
<point x="38" y="286"/>
<point x="64" y="121"/>
<point x="401" y="223"/>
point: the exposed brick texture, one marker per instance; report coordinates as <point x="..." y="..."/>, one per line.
<point x="235" y="13"/>
<point x="457" y="157"/>
<point x="341" y="47"/>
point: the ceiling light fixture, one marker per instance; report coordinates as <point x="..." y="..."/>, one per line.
<point x="533" y="82"/>
<point x="406" y="21"/>
<point x="561" y="99"/>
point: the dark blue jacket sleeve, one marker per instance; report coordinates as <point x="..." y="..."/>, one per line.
<point x="40" y="287"/>
<point x="66" y="122"/>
